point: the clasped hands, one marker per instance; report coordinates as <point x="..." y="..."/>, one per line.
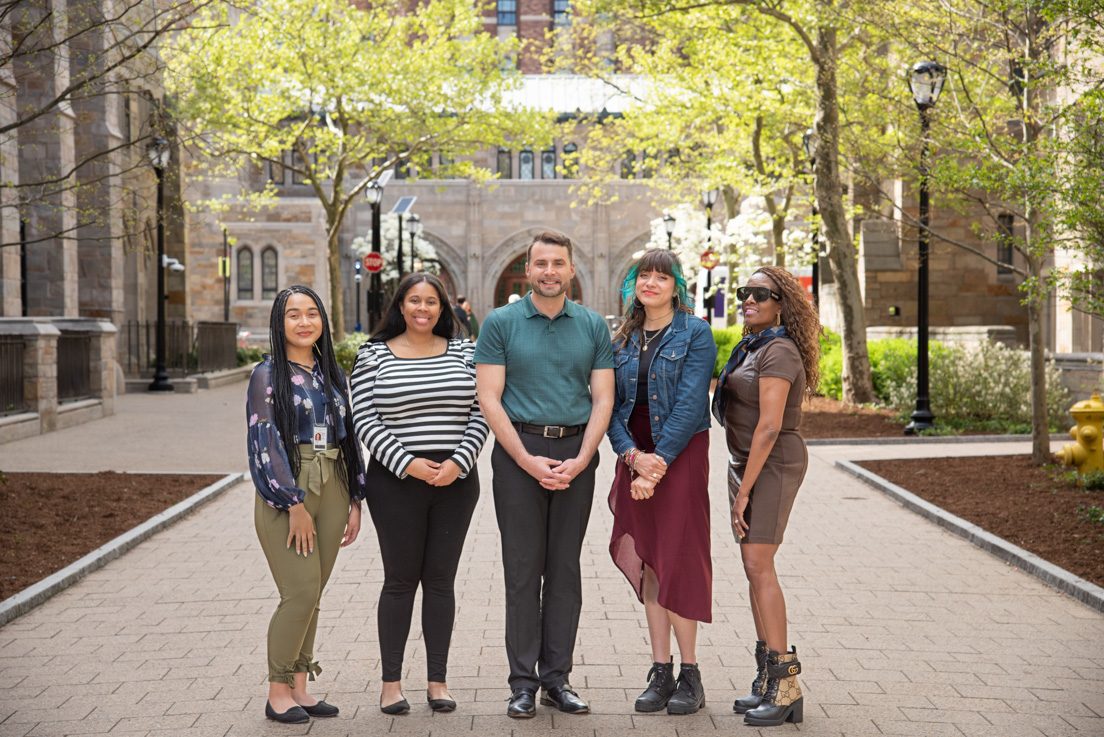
<point x="552" y="474"/>
<point x="433" y="473"/>
<point x="650" y="469"/>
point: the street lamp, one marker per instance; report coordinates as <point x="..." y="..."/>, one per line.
<point x="414" y="227"/>
<point x="356" y="286"/>
<point x="926" y="82"/>
<point x="373" y="193"/>
<point x="709" y="197"/>
<point x="811" y="141"/>
<point x="159" y="154"/>
<point x="669" y="226"/>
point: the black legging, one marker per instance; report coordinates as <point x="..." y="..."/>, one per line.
<point x="421" y="529"/>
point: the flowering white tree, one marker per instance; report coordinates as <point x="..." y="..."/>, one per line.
<point x="424" y="251"/>
<point x="743" y="243"/>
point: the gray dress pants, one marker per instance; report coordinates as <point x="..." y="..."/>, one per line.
<point x="542" y="537"/>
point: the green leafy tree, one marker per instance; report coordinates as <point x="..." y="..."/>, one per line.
<point x="732" y="87"/>
<point x="1013" y="136"/>
<point x="350" y="89"/>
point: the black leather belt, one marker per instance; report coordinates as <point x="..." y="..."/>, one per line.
<point x="550" y="431"/>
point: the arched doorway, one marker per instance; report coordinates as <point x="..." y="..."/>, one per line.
<point x="514" y="281"/>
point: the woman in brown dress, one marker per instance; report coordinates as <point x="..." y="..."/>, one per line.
<point x="758" y="400"/>
<point x="660" y="496"/>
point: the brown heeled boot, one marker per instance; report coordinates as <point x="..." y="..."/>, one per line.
<point x="782" y="701"/>
<point x="748" y="703"/>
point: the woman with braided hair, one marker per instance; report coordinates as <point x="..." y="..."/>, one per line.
<point x="306" y="464"/>
<point x="758" y="401"/>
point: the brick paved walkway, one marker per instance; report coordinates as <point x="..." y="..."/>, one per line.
<point x="902" y="628"/>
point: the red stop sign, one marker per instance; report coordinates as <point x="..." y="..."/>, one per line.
<point x="373" y="262"/>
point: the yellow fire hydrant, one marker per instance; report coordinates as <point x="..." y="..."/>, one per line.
<point x="1087" y="453"/>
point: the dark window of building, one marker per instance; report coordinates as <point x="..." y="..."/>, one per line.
<point x="245" y="273"/>
<point x="559" y="12"/>
<point x="269" y="276"/>
<point x="403" y="170"/>
<point x="276" y="172"/>
<point x="507" y="12"/>
<point x="298" y="167"/>
<point x="628" y="165"/>
<point x="505" y="159"/>
<point x="525" y="164"/>
<point x="548" y="163"/>
<point x="571" y="161"/>
<point x="648" y="165"/>
<point x="444" y="167"/>
<point x="1005" y="222"/>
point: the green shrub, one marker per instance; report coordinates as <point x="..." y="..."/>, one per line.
<point x="346" y="350"/>
<point x="831" y="365"/>
<point x="247" y="356"/>
<point x="726" y="341"/>
<point x="1091" y="513"/>
<point x="1092" y="481"/>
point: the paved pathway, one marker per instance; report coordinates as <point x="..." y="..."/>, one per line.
<point x="902" y="628"/>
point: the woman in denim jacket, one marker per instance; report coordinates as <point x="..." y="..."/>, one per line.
<point x="660" y="496"/>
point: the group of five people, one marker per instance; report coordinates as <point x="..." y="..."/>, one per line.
<point x="548" y="381"/>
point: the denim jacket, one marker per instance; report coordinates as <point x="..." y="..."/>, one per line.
<point x="681" y="369"/>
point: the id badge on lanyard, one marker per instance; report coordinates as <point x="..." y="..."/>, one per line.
<point x="320" y="437"/>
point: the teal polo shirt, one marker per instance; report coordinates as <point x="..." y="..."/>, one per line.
<point x="548" y="362"/>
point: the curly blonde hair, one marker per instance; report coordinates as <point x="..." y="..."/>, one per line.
<point x="801" y="320"/>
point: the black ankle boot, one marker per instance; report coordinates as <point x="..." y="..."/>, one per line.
<point x="661" y="686"/>
<point x="689" y="694"/>
<point x="782" y="700"/>
<point x="750" y="702"/>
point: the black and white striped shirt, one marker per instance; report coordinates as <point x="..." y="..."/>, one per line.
<point x="405" y="405"/>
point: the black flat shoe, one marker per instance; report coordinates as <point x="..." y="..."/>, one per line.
<point x="399" y="707"/>
<point x="294" y="715"/>
<point x="441" y="705"/>
<point x="565" y="699"/>
<point x="522" y="704"/>
<point x="322" y="710"/>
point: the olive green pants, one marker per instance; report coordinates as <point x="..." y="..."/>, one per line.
<point x="301" y="578"/>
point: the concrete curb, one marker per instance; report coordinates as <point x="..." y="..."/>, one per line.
<point x="32" y="596"/>
<point x="1083" y="591"/>
<point x="929" y="439"/>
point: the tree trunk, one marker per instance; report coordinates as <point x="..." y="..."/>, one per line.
<point x="778" y="227"/>
<point x="1036" y="345"/>
<point x="337" y="312"/>
<point x="858" y="386"/>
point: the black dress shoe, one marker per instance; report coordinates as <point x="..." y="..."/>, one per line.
<point x="565" y="699"/>
<point x="399" y="707"/>
<point x="322" y="710"/>
<point x="522" y="703"/>
<point x="294" y="715"/>
<point x="440" y="704"/>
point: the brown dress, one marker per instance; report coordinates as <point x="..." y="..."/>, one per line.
<point x="776" y="487"/>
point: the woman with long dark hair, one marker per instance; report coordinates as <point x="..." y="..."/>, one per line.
<point x="306" y="465"/>
<point x="415" y="408"/>
<point x="660" y="495"/>
<point x="758" y="401"/>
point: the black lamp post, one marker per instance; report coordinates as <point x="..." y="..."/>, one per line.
<point x="158" y="152"/>
<point x="356" y="286"/>
<point x="374" y="194"/>
<point x="709" y="198"/>
<point x="669" y="226"/>
<point x="414" y="227"/>
<point x="926" y="82"/>
<point x="810" y="141"/>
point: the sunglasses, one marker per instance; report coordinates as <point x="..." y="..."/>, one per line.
<point x="761" y="294"/>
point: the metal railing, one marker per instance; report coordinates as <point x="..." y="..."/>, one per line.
<point x="189" y="347"/>
<point x="74" y="367"/>
<point x="12" y="399"/>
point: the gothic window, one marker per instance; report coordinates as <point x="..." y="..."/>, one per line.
<point x="548" y="163"/>
<point x="525" y="164"/>
<point x="269" y="273"/>
<point x="571" y="161"/>
<point x="245" y="273"/>
<point x="1005" y="222"/>
<point x="505" y="170"/>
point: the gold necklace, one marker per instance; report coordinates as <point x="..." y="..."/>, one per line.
<point x="648" y="339"/>
<point x="432" y="343"/>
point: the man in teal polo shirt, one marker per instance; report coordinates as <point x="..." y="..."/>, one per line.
<point x="544" y="369"/>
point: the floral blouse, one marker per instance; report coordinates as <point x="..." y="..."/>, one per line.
<point x="268" y="458"/>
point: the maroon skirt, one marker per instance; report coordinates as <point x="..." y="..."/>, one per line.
<point x="670" y="531"/>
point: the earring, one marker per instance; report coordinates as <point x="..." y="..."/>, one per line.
<point x="637" y="304"/>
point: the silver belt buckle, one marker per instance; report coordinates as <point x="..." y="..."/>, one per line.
<point x="559" y="433"/>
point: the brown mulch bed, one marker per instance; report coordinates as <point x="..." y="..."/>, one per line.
<point x="52" y="519"/>
<point x="1030" y="506"/>
<point x="824" y="418"/>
